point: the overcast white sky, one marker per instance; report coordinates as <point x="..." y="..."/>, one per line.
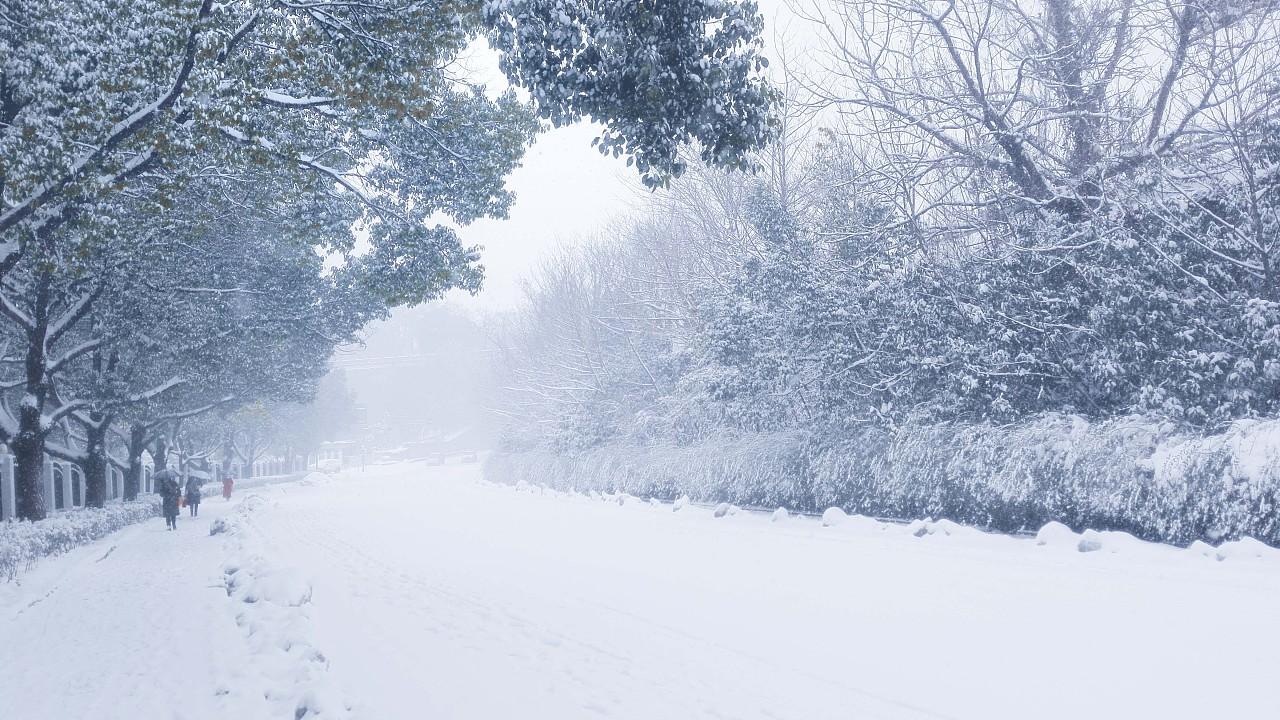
<point x="566" y="191"/>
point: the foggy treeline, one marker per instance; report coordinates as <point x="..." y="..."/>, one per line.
<point x="200" y="202"/>
<point x="1001" y="252"/>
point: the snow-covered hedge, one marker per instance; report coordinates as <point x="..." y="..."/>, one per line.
<point x="24" y="543"/>
<point x="1131" y="474"/>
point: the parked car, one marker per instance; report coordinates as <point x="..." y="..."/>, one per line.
<point x="468" y="456"/>
<point x="330" y="466"/>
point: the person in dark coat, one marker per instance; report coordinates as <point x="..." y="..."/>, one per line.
<point x="167" y="486"/>
<point x="193" y="494"/>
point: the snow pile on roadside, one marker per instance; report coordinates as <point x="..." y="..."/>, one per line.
<point x="272" y="607"/>
<point x="22" y="544"/>
<point x="315" y="478"/>
<point x="1052" y="535"/>
<point x="833" y="517"/>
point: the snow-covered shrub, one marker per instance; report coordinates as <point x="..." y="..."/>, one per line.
<point x="22" y="544"/>
<point x="1132" y="474"/>
<point x="757" y="470"/>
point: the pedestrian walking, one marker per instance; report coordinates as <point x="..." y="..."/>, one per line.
<point x="228" y="482"/>
<point x="167" y="486"/>
<point x="193" y="494"/>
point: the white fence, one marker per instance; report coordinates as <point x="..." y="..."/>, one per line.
<point x="64" y="485"/>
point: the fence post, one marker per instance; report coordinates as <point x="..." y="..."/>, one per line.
<point x="8" y="493"/>
<point x="68" y="492"/>
<point x="50" y="498"/>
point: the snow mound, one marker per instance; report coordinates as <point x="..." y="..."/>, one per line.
<point x="272" y="608"/>
<point x="680" y="503"/>
<point x="1245" y="548"/>
<point x="1056" y="534"/>
<point x="316" y="478"/>
<point x="779" y="515"/>
<point x="724" y="509"/>
<point x="833" y="516"/>
<point x="251" y="503"/>
<point x="1200" y="547"/>
<point x="1090" y="541"/>
<point x="921" y="528"/>
<point x="1109" y="540"/>
<point x="256" y="582"/>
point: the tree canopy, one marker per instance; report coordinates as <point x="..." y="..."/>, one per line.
<point x="200" y="200"/>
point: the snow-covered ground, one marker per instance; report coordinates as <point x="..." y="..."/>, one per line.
<point x="422" y="592"/>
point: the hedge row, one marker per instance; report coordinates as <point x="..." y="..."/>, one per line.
<point x="1133" y="474"/>
<point x="22" y="544"/>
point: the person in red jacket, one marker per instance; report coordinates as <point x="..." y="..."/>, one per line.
<point x="227" y="483"/>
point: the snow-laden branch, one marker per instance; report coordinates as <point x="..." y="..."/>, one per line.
<point x="140" y="118"/>
<point x="62" y="411"/>
<point x="276" y="97"/>
<point x="156" y="391"/>
<point x="15" y="313"/>
<point x="311" y="163"/>
<point x="219" y="291"/>
<point x="63" y="452"/>
<point x="71" y="354"/>
<point x="73" y="314"/>
<point x="193" y="412"/>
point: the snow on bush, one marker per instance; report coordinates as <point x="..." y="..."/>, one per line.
<point x="833" y="516"/>
<point x="1132" y="474"/>
<point x="1056" y="534"/>
<point x="924" y="528"/>
<point x="22" y="544"/>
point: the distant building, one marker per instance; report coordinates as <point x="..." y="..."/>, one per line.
<point x="345" y="453"/>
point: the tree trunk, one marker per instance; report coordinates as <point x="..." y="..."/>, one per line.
<point x="28" y="444"/>
<point x="228" y="453"/>
<point x="160" y="454"/>
<point x="28" y="457"/>
<point x="133" y="476"/>
<point x="95" y="463"/>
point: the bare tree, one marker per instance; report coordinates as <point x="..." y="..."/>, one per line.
<point x="983" y="110"/>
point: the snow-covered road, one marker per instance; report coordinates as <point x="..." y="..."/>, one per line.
<point x="435" y="595"/>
